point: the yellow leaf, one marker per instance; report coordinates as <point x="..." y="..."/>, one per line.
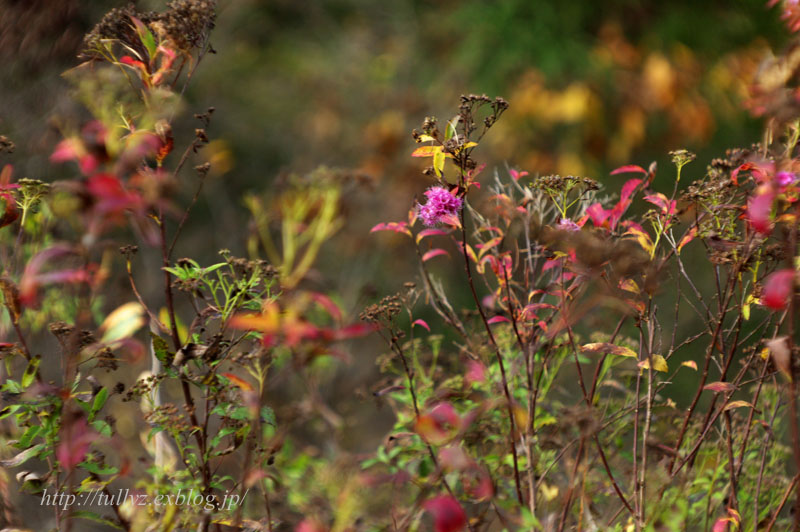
<point x="608" y="349"/>
<point x="764" y="353"/>
<point x="183" y="333"/>
<point x="548" y="492"/>
<point x="123" y="322"/>
<point x="737" y="404"/>
<point x="438" y="162"/>
<point x="426" y="151"/>
<point x="659" y="363"/>
<point x="643" y="239"/>
<point x="690" y="364"/>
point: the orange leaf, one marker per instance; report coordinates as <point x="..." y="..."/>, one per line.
<point x="241" y="383"/>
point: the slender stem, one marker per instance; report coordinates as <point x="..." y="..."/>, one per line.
<point x="504" y="380"/>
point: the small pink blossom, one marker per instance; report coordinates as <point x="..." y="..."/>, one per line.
<point x="568" y="225"/>
<point x="441" y="205"/>
<point x="783" y="179"/>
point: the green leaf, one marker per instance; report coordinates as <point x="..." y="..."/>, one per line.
<point x="240" y="413"/>
<point x="268" y="415"/>
<point x="30" y="371"/>
<point x="26" y="439"/>
<point x="221" y="434"/>
<point x="102" y="427"/>
<point x="450" y="131"/>
<point x="99" y="401"/>
<point x="98" y="469"/>
<point x="23" y="457"/>
<point x="161" y="350"/>
<point x="146" y="36"/>
<point x="214" y="267"/>
<point x="97" y="518"/>
<point x="10" y="409"/>
<point x="155" y="430"/>
<point x="12" y="387"/>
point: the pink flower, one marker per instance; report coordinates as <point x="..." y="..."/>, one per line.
<point x="783" y="179"/>
<point x="568" y="225"/>
<point x="441" y="204"/>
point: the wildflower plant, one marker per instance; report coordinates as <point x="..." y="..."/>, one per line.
<point x="553" y="401"/>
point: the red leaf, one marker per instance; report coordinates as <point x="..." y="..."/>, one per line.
<point x="719" y="387"/>
<point x="309" y="525"/>
<point x="476" y="372"/>
<point x="74" y="441"/>
<point x="448" y="516"/>
<point x="629" y="169"/>
<point x="778" y="289"/>
<point x="421" y="323"/>
<point x="434" y="253"/>
<point x="350" y="331"/>
<point x="516" y="175"/>
<point x="328" y="304"/>
<point x="111" y="195"/>
<point x="660" y="200"/>
<point x="430" y="232"/>
<point x="33" y="278"/>
<point x="397" y="227"/>
<point x="759" y="210"/>
<point x="439" y="425"/>
<point x="688" y="237"/>
<point x="598" y="214"/>
<point x="497" y="319"/>
<point x="10" y="212"/>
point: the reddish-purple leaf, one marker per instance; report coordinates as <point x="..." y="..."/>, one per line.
<point x="448" y="516"/>
<point x="74" y="441"/>
<point x="397" y="227"/>
<point x="719" y="387"/>
<point x="434" y="253"/>
<point x="309" y="525"/>
<point x="430" y="232"/>
<point x="328" y="304"/>
<point x="688" y="237"/>
<point x="10" y="212"/>
<point x="421" y="323"/>
<point x="629" y="169"/>
<point x="438" y="426"/>
<point x="476" y="372"/>
<point x="667" y="206"/>
<point x="778" y="289"/>
<point x="517" y="175"/>
<point x="598" y="214"/>
<point x="759" y="210"/>
<point x="497" y="319"/>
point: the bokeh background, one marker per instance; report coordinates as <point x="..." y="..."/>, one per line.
<point x="299" y="84"/>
